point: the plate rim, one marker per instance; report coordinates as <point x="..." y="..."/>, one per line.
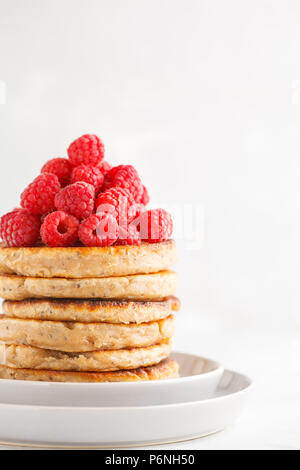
<point x="109" y="446"/>
<point x="249" y="385"/>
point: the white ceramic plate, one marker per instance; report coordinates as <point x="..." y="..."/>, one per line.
<point x="120" y="426"/>
<point x="199" y="379"/>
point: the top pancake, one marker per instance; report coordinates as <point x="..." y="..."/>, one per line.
<point x="84" y="262"/>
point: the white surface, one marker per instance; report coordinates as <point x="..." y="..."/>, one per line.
<point x="199" y="379"/>
<point x="207" y="92"/>
<point x="119" y="426"/>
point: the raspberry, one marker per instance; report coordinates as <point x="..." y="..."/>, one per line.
<point x="59" y="229"/>
<point x="129" y="236"/>
<point x="145" y="198"/>
<point x="77" y="199"/>
<point x="135" y="211"/>
<point x="88" y="174"/>
<point x="19" y="228"/>
<point x="60" y="167"/>
<point x="116" y="201"/>
<point x="104" y="167"/>
<point x="155" y="226"/>
<point x="39" y="196"/>
<point x="109" y="177"/>
<point x="99" y="230"/>
<point x="87" y="150"/>
<point x="125" y="176"/>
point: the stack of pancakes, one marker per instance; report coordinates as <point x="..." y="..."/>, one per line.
<point x="88" y="314"/>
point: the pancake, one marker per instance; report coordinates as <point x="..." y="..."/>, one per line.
<point x="155" y="286"/>
<point x="83" y="337"/>
<point x="110" y="311"/>
<point x="28" y="357"/>
<point x="166" y="369"/>
<point x="84" y="262"/>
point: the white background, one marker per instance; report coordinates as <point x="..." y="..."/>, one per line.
<point x="203" y="97"/>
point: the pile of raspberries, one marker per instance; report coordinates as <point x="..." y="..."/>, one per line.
<point x="82" y="200"/>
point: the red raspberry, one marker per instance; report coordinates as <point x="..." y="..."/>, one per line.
<point x="59" y="229"/>
<point x="19" y="228"/>
<point x="125" y="176"/>
<point x="135" y="211"/>
<point x="99" y="230"/>
<point x="145" y="198"/>
<point x="87" y="150"/>
<point x="116" y="201"/>
<point x="104" y="167"/>
<point x="129" y="236"/>
<point x="60" y="167"/>
<point x="39" y="196"/>
<point x="155" y="226"/>
<point x="77" y="199"/>
<point x="109" y="177"/>
<point x="88" y="174"/>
